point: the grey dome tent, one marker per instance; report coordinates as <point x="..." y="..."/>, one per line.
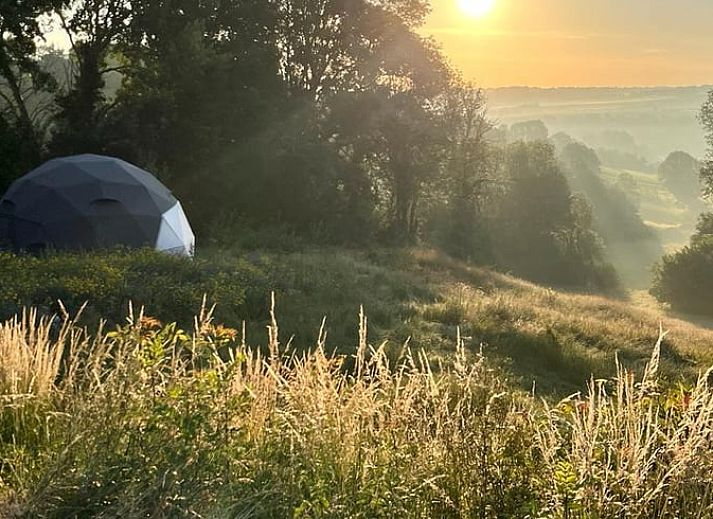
<point x="89" y="202"/>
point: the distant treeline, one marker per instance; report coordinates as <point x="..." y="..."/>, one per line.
<point x="336" y="121"/>
<point x="683" y="279"/>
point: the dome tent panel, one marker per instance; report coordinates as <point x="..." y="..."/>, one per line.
<point x="75" y="232"/>
<point x="31" y="235"/>
<point x="113" y="227"/>
<point x="176" y="235"/>
<point x="91" y="201"/>
<point x="47" y="202"/>
<point x="79" y="195"/>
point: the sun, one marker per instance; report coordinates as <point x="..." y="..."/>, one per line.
<point x="476" y="8"/>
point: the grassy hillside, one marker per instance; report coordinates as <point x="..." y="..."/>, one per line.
<point x="540" y="335"/>
<point x="551" y="338"/>
<point x="152" y="421"/>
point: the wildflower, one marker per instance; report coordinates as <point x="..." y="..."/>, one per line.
<point x="225" y="333"/>
<point x="150" y="322"/>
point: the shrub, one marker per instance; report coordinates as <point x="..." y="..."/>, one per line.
<point x="683" y="279"/>
<point x="173" y="287"/>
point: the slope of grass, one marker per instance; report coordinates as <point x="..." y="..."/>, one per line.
<point x="152" y="421"/>
<point x="552" y="339"/>
<point x="426" y="412"/>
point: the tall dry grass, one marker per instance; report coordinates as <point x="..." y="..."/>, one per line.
<point x="631" y="448"/>
<point x="31" y="358"/>
<point x="151" y="421"/>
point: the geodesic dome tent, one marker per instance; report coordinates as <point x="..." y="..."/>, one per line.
<point x="89" y="202"/>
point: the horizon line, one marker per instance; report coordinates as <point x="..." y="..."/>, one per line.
<point x="597" y="87"/>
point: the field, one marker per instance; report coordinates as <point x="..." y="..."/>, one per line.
<point x="554" y="339"/>
<point x="444" y="399"/>
<point x="324" y="354"/>
<point x="660" y="120"/>
<point x="673" y="221"/>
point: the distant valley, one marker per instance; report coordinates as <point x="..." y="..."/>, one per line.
<point x="660" y="120"/>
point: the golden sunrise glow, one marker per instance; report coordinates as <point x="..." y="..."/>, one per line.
<point x="575" y="42"/>
<point x="476" y="8"/>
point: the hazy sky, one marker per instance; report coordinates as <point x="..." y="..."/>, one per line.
<point x="579" y="42"/>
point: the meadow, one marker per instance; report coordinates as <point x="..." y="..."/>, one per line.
<point x="455" y="392"/>
<point x="325" y="355"/>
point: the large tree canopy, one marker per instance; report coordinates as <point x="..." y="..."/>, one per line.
<point x="336" y="120"/>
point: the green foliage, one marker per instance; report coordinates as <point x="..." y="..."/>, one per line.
<point x="616" y="217"/>
<point x="456" y="222"/>
<point x="704" y="228"/>
<point x="22" y="79"/>
<point x="680" y="172"/>
<point x="629" y="448"/>
<point x="630" y="244"/>
<point x="155" y="423"/>
<point x="334" y="122"/>
<point x="529" y="131"/>
<point x="14" y="155"/>
<point x="257" y="119"/>
<point x="683" y="280"/>
<point x="152" y="421"/>
<point x="540" y="231"/>
<point x="409" y="295"/>
<point x="174" y="287"/>
<point x="96" y="28"/>
<point x="706" y="118"/>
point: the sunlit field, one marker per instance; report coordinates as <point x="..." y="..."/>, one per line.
<point x="149" y="420"/>
<point x="356" y="259"/>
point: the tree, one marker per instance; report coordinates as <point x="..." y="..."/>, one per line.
<point x="468" y="172"/>
<point x="199" y="99"/>
<point x="529" y="131"/>
<point x="680" y="172"/>
<point x="21" y="77"/>
<point x="682" y="279"/>
<point x="243" y="105"/>
<point x="560" y="141"/>
<point x="704" y="228"/>
<point x="13" y="154"/>
<point x="541" y="231"/>
<point x="331" y="46"/>
<point x="706" y="118"/>
<point x="365" y="58"/>
<point x="631" y="245"/>
<point x="94" y="28"/>
<point x="628" y="185"/>
<point x="616" y="215"/>
<point x="410" y="140"/>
